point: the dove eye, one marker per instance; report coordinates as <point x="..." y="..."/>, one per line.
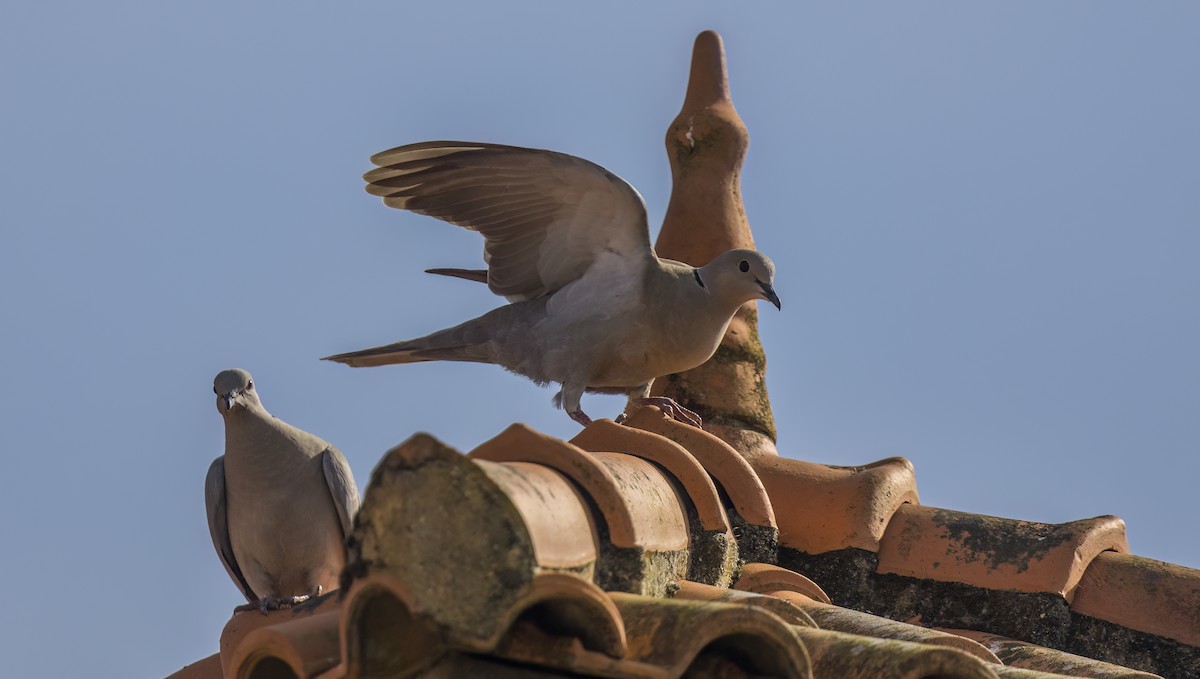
<point x="214" y="390"/>
<point x="743" y="266"/>
<point x="250" y="384"/>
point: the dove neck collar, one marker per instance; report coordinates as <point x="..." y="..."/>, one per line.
<point x="699" y="281"/>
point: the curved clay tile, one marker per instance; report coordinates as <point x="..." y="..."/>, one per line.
<point x="748" y="505"/>
<point x="1029" y="656"/>
<point x="706" y="144"/>
<point x="442" y="526"/>
<point x="822" y="508"/>
<point x="307" y="646"/>
<point x="764" y="577"/>
<point x="985" y="551"/>
<point x="790" y="613"/>
<point x="382" y="637"/>
<point x="713" y="552"/>
<point x="555" y="514"/>
<point x="682" y="636"/>
<point x="605" y="436"/>
<point x="557" y="605"/>
<point x="850" y="621"/>
<point x="245" y="623"/>
<point x="630" y="523"/>
<point x="659" y="521"/>
<point x="851" y="656"/>
<point x="1142" y="594"/>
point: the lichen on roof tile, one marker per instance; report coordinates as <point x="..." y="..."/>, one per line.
<point x="1014" y="653"/>
<point x="985" y="551"/>
<point x="1143" y="594"/>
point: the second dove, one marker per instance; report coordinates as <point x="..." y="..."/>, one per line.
<point x="591" y="306"/>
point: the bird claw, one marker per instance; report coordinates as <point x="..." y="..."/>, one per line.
<point x="580" y="417"/>
<point x="269" y="603"/>
<point x="672" y="409"/>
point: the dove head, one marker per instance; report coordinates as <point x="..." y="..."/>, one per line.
<point x="234" y="389"/>
<point x="742" y="275"/>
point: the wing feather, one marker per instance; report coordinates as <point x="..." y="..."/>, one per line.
<point x="218" y="525"/>
<point x="545" y="216"/>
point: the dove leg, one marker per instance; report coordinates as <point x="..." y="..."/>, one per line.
<point x="568" y="399"/>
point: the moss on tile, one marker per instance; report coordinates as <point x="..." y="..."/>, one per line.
<point x="1110" y="642"/>
<point x="999" y="542"/>
<point x="849" y="577"/>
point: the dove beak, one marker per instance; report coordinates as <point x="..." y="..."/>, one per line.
<point x="768" y="293"/>
<point x="229" y="399"/>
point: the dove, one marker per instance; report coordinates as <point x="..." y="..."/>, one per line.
<point x="567" y="243"/>
<point x="280" y="502"/>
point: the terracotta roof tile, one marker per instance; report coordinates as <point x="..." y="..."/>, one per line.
<point x="821" y="508"/>
<point x="699" y="636"/>
<point x="554" y="512"/>
<point x="850" y="621"/>
<point x="381" y="635"/>
<point x="248" y="623"/>
<point x="789" y="612"/>
<point x="604" y="436"/>
<point x="1024" y="655"/>
<point x="746" y="501"/>
<point x="307" y="645"/>
<point x="940" y="544"/>
<point x="643" y="519"/>
<point x="765" y="578"/>
<point x="1142" y="594"/>
<point x="712" y="548"/>
<point x="849" y="656"/>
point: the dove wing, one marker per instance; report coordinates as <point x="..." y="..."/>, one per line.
<point x="218" y="526"/>
<point x="545" y="216"/>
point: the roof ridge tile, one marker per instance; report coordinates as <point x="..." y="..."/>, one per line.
<point x="995" y="553"/>
<point x="1023" y="654"/>
<point x="822" y="508"/>
<point x="1143" y="594"/>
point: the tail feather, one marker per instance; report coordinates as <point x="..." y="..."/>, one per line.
<point x="384" y="355"/>
<point x="477" y="275"/>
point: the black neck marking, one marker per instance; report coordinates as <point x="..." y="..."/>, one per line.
<point x="696" y="273"/>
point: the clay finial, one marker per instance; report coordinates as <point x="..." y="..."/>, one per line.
<point x="706" y="144"/>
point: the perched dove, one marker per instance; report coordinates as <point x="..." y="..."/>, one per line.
<point x="280" y="502"/>
<point x="568" y="244"/>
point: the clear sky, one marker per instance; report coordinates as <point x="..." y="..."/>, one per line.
<point x="985" y="217"/>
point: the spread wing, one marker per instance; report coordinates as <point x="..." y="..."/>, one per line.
<point x="218" y="526"/>
<point x="545" y="216"/>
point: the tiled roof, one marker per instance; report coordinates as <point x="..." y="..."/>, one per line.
<point x="531" y="556"/>
<point x="656" y="549"/>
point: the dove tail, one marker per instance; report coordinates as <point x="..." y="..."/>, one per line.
<point x="385" y="355"/>
<point x="452" y="344"/>
<point x="477" y="275"/>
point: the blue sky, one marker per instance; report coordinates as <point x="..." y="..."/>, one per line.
<point x="985" y="219"/>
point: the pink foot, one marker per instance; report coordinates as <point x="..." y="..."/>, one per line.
<point x="672" y="409"/>
<point x="580" y="417"/>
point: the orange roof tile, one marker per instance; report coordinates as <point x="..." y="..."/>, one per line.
<point x="1024" y="655"/>
<point x="940" y="544"/>
<point x="1142" y="594"/>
